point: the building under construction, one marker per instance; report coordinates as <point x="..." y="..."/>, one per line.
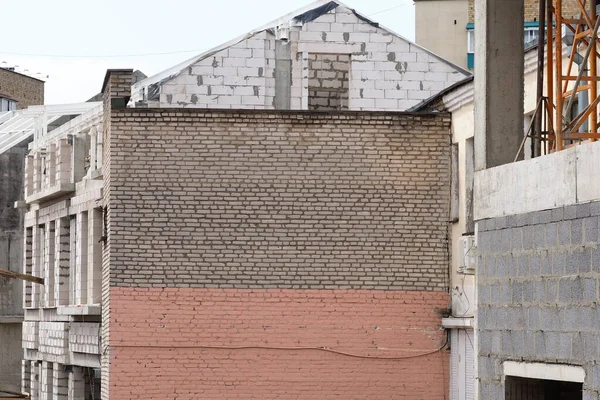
<point x="538" y="319"/>
<point x="567" y="86"/>
<point x="536" y="221"/>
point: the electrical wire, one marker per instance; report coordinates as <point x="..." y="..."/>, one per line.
<point x="390" y="9"/>
<point x="325" y="349"/>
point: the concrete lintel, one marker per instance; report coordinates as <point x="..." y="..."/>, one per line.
<point x="85" y="360"/>
<point x="53" y="192"/>
<point x="550" y="372"/>
<point x="556" y="180"/>
<point x="95" y="309"/>
<point x="458" y="323"/>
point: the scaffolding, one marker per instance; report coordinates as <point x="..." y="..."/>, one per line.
<point x="566" y="114"/>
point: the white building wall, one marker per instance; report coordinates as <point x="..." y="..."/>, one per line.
<point x="241" y="76"/>
<point x="441" y="27"/>
<point x="64" y="225"/>
<point x="387" y="72"/>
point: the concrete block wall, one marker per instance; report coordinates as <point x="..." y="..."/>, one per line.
<point x="57" y="248"/>
<point x="84" y="337"/>
<point x="25" y="376"/>
<point x="54" y="341"/>
<point x="538" y="280"/>
<point x="287" y="232"/>
<point x="387" y="72"/>
<point x="48" y="170"/>
<point x="31" y="335"/>
<point x="241" y="76"/>
<point x="76" y="384"/>
<point x="60" y="382"/>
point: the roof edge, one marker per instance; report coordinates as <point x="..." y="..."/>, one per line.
<point x="422" y="106"/>
<point x="319" y="4"/>
<point x="23" y="75"/>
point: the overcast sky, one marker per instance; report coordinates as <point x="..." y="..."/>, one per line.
<point x="75" y="41"/>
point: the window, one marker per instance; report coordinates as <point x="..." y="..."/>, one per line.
<point x="517" y="388"/>
<point x="470" y="46"/>
<point x="7" y="104"/>
<point x="530" y="36"/>
<point x="471" y="41"/>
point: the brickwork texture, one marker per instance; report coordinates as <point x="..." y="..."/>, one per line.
<point x="538" y="277"/>
<point x="532" y="10"/>
<point x="26" y="90"/>
<point x="285" y="234"/>
<point x="246" y="199"/>
<point x="117" y="85"/>
<point x="185" y="343"/>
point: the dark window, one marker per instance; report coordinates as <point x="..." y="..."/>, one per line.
<point x="537" y="389"/>
<point x="7" y="105"/>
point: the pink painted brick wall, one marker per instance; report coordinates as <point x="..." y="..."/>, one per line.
<point x="157" y="336"/>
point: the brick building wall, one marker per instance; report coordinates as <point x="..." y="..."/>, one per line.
<point x="185" y="342"/>
<point x="117" y="85"/>
<point x="307" y="201"/>
<point x="538" y="277"/>
<point x="286" y="233"/>
<point x="570" y="9"/>
<point x="26" y="90"/>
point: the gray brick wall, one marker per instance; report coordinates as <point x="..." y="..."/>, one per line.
<point x="328" y="81"/>
<point x="538" y="276"/>
<point x="263" y="199"/>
